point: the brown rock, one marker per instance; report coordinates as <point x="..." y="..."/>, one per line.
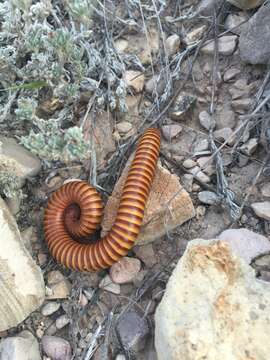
<point x="169" y="205"/>
<point x="135" y="80"/>
<point x="125" y="270"/>
<point x="101" y="131"/>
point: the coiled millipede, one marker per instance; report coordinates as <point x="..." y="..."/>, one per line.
<point x="74" y="212"/>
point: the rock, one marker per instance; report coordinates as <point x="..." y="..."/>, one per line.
<point x="182" y="105"/>
<point x="226" y="46"/>
<point x="208" y="197"/>
<point x="189" y="163"/>
<point x="42" y="259"/>
<point x="121" y="45"/>
<point x="146" y="254"/>
<point x="23" y="346"/>
<point x="171" y="131"/>
<point x="62" y="321"/>
<point x="138" y="44"/>
<point x="195" y="35"/>
<point x="254" y="43"/>
<point x="242" y="105"/>
<point x="265" y="189"/>
<point x="225" y="119"/>
<point x="201" y="145"/>
<point x="120" y="357"/>
<point x="59" y="285"/>
<point x="100" y="130"/>
<point x="168" y="206"/>
<point x="125" y="270"/>
<point x="240" y="89"/>
<point x="123" y="127"/>
<point x="206" y="120"/>
<point x="132" y="330"/>
<point x="50" y="308"/>
<point x="172" y="44"/>
<point x="213" y="308"/>
<point x="18" y="298"/>
<point x="188" y="182"/>
<point x="108" y="285"/>
<point x="230" y="74"/>
<point x="262" y="209"/>
<point x="56" y="348"/>
<point x="14" y="204"/>
<point x="225" y="134"/>
<point x="15" y="159"/>
<point x="156" y="83"/>
<point x="245" y="243"/>
<point x="246" y="4"/>
<point x="263" y="261"/>
<point x="199" y="175"/>
<point x="249" y="147"/>
<point x="206" y="164"/>
<point x="206" y="7"/>
<point x="233" y="22"/>
<point x="134" y="80"/>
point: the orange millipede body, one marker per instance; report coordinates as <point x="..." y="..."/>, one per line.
<point x="75" y="210"/>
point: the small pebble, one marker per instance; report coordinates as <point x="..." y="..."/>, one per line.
<point x="56" y="348"/>
<point x="172" y="44"/>
<point x="205" y="120"/>
<point x="189" y="163"/>
<point x="262" y="209"/>
<point x="226" y="46"/>
<point x="124" y="127"/>
<point x="198" y="174"/>
<point x="250" y="146"/>
<point x="171" y="131"/>
<point x="108" y="285"/>
<point x="201" y="145"/>
<point x="225" y="134"/>
<point x="135" y="80"/>
<point x="200" y="211"/>
<point x="50" y="308"/>
<point x="146" y="254"/>
<point x="208" y="197"/>
<point x="125" y="270"/>
<point x="187" y="182"/>
<point x="265" y="189"/>
<point x="62" y="321"/>
<point x="230" y="74"/>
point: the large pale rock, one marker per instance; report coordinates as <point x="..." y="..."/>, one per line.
<point x="21" y="282"/>
<point x="16" y="159"/>
<point x="213" y="308"/>
<point x="168" y="206"/>
<point x="254" y="42"/>
<point x="24" y="346"/>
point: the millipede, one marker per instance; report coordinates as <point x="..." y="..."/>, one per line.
<point x="75" y="211"/>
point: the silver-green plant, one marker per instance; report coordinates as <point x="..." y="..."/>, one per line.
<point x="48" y="50"/>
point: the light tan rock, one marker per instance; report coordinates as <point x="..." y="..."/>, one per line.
<point x="59" y="286"/>
<point x="135" y="80"/>
<point x="21" y="283"/>
<point x="213" y="308"/>
<point x="169" y="205"/>
<point x="246" y="4"/>
<point x="226" y="46"/>
<point x="17" y="160"/>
